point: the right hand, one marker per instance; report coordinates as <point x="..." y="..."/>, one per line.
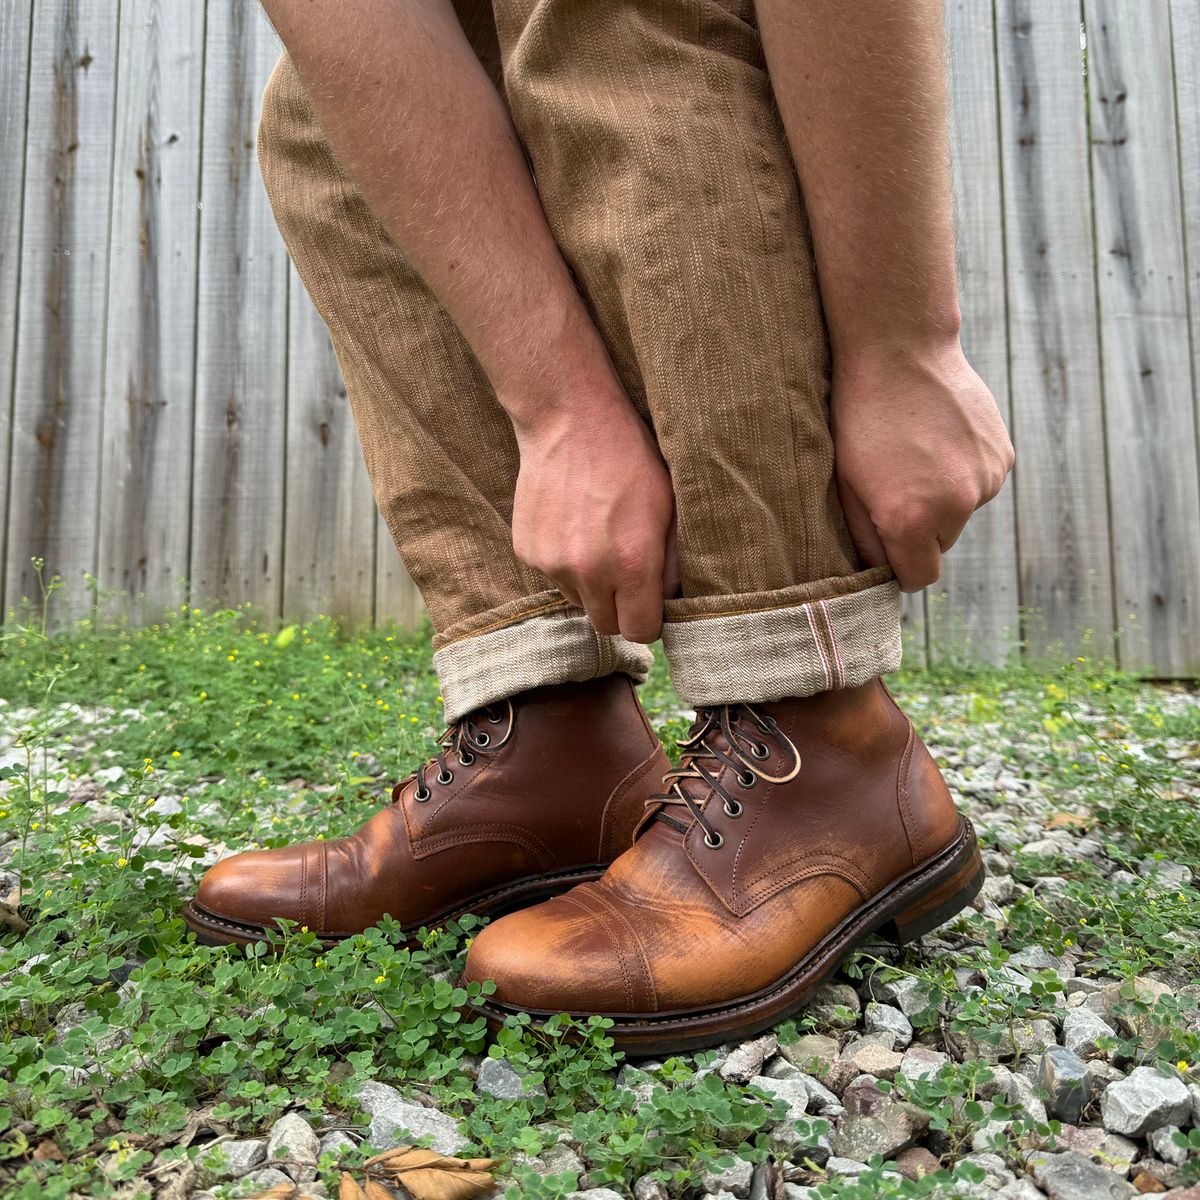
<point x="594" y="511"/>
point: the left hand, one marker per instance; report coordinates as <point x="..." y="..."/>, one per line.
<point x="919" y="445"/>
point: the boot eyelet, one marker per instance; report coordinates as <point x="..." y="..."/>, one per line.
<point x="758" y="750"/>
<point x="494" y="720"/>
<point x="715" y="845"/>
<point x="482" y="739"/>
<point x="748" y="780"/>
<point x="734" y="810"/>
<point x="466" y="758"/>
<point x="445" y="777"/>
<point x="421" y="796"/>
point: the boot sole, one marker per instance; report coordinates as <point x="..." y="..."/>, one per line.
<point x="214" y="929"/>
<point x="915" y="904"/>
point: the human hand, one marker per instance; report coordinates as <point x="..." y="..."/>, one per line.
<point x="919" y="445"/>
<point x="594" y="511"/>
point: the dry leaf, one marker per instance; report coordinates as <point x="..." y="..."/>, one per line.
<point x="1068" y="820"/>
<point x="281" y="1191"/>
<point x="348" y="1189"/>
<point x="427" y="1175"/>
<point x="47" y="1151"/>
<point x="11" y="919"/>
<point x="376" y="1191"/>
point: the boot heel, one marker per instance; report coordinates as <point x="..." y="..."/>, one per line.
<point x="944" y="898"/>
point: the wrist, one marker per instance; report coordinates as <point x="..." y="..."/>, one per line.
<point x="875" y="351"/>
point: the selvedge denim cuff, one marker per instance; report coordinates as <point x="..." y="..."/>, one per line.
<point x="798" y="641"/>
<point x="489" y="660"/>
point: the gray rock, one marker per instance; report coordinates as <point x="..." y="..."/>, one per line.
<point x="823" y="1007"/>
<point x="1143" y="1101"/>
<point x="1194" y="1092"/>
<point x="292" y="1137"/>
<point x="1073" y="1176"/>
<point x="595" y="1194"/>
<point x="883" y="1018"/>
<point x="813" y="1047"/>
<point x="792" y="1092"/>
<point x="561" y="1158"/>
<point x="1035" y="958"/>
<point x="236" y="1158"/>
<point x="887" y="1133"/>
<point x="747" y="1060"/>
<point x="639" y="1082"/>
<point x="1162" y="1142"/>
<point x="919" y="1062"/>
<point x="264" y="1180"/>
<point x="337" y="1143"/>
<point x="1063" y="1078"/>
<point x="499" y="1078"/>
<point x="735" y="1179"/>
<point x="395" y="1121"/>
<point x="873" y="1058"/>
<point x="1022" y="1189"/>
<point x="846" y="1167"/>
<point x="987" y="1136"/>
<point x="1082" y="1029"/>
<point x="1025" y="1037"/>
<point x="649" y="1189"/>
<point x="820" y="1099"/>
<point x="998" y="1174"/>
<point x="906" y="994"/>
<point x="1023" y="1096"/>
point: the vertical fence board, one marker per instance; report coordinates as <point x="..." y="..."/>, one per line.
<point x="1058" y="423"/>
<point x="1185" y="30"/>
<point x="973" y="611"/>
<point x="149" y="371"/>
<point x="329" y="554"/>
<point x="60" y="339"/>
<point x="1142" y="282"/>
<point x="15" y="21"/>
<point x="241" y="355"/>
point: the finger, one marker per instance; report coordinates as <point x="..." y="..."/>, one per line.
<point x="672" y="580"/>
<point x="917" y="562"/>
<point x="862" y="529"/>
<point x="601" y="609"/>
<point x="949" y="534"/>
<point x="569" y="594"/>
<point x="640" y="611"/>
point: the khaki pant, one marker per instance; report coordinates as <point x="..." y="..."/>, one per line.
<point x="666" y="178"/>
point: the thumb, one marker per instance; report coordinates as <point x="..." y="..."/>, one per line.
<point x="862" y="529"/>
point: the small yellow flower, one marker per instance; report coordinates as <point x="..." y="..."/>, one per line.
<point x="1182" y="1064"/>
<point x="175" y="754"/>
<point x="295" y="695"/>
<point x="1068" y="941"/>
<point x="36" y="825"/>
<point x="1083" y="920"/>
<point x="379" y="978"/>
<point x="303" y="928"/>
<point x="122" y="862"/>
<point x="203" y="696"/>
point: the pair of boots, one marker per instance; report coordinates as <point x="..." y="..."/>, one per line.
<point x="702" y="908"/>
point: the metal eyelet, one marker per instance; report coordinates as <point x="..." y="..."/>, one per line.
<point x="421" y="796"/>
<point x="482" y="739"/>
<point x="495" y="720"/>
<point x="466" y="758"/>
<point x="758" y="750"/>
<point x="734" y="810"/>
<point x="445" y="777"/>
<point x="748" y="780"/>
<point x="714" y="845"/>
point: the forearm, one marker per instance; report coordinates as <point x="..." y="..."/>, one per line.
<point x="416" y="123"/>
<point x="862" y="91"/>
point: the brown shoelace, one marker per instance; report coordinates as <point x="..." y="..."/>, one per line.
<point x="465" y="738"/>
<point x="705" y="761"/>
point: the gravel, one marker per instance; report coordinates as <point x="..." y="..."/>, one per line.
<point x="1145" y="1101"/>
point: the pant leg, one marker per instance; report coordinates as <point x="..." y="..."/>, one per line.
<point x="667" y="179"/>
<point x="439" y="449"/>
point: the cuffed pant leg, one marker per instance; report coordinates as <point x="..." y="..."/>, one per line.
<point x="668" y="182"/>
<point x="439" y="449"/>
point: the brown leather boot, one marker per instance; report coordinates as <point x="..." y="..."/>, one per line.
<point x="526" y="798"/>
<point x="790" y="832"/>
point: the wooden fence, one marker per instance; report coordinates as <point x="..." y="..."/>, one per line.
<point x="172" y="420"/>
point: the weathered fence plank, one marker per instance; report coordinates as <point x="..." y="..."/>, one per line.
<point x="241" y="356"/>
<point x="149" y="369"/>
<point x="55" y="451"/>
<point x="329" y="552"/>
<point x="1058" y="422"/>
<point x="16" y="20"/>
<point x="1149" y="412"/>
<point x="973" y="612"/>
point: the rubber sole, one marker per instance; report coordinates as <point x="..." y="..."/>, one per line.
<point x="216" y="929"/>
<point x="915" y="904"/>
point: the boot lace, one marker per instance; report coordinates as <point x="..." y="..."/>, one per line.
<point x="464" y="738"/>
<point x="741" y="727"/>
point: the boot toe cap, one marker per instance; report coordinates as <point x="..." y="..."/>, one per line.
<point x="559" y="957"/>
<point x="259" y="887"/>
